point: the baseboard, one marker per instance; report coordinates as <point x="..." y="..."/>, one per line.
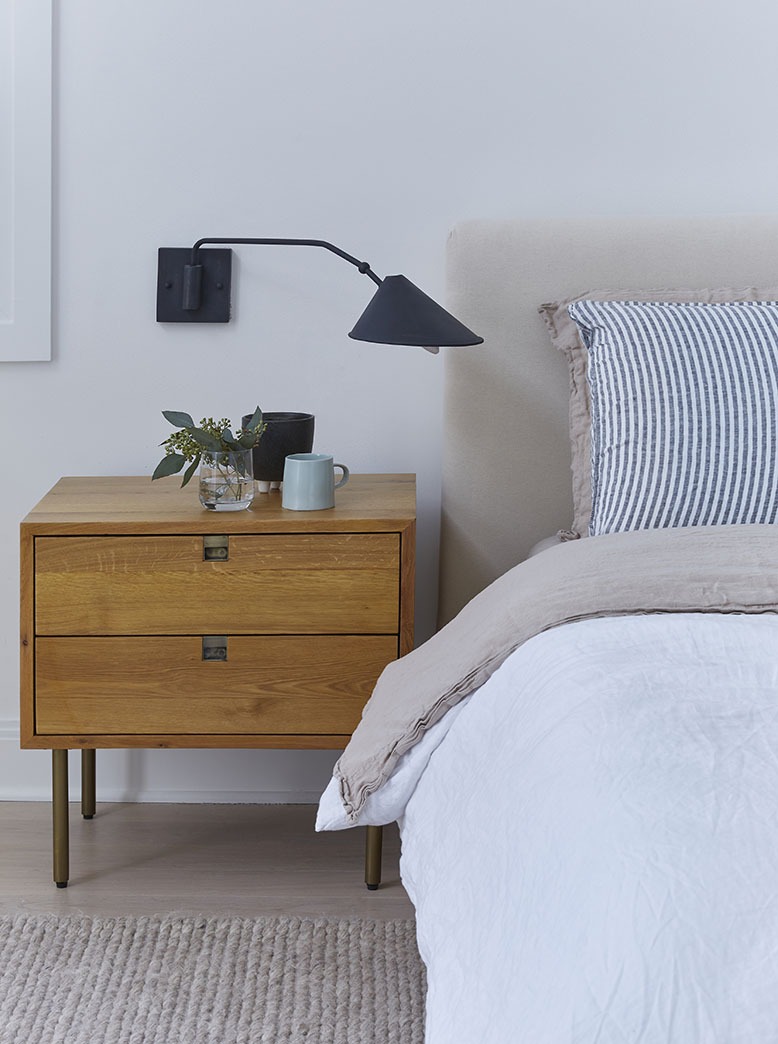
<point x="231" y="777"/>
<point x="198" y="797"/>
<point x="9" y="731"/>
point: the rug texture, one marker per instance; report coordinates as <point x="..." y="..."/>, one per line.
<point x="176" y="980"/>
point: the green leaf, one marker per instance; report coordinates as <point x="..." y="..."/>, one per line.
<point x="190" y="470"/>
<point x="209" y="442"/>
<point x="178" y="420"/>
<point x="255" y="421"/>
<point x="248" y="440"/>
<point x="169" y="465"/>
<point x="229" y="439"/>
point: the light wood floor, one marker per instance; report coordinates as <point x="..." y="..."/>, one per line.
<point x="212" y="860"/>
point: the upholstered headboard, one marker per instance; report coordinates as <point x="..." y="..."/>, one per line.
<point x="506" y="468"/>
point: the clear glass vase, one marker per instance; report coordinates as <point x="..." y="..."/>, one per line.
<point x="227" y="480"/>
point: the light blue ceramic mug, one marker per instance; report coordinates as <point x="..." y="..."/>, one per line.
<point x="309" y="481"/>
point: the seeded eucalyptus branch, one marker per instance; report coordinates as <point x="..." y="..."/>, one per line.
<point x="191" y="442"/>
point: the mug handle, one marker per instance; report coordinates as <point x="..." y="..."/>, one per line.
<point x="346" y="473"/>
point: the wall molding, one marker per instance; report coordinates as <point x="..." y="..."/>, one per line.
<point x="25" y="331"/>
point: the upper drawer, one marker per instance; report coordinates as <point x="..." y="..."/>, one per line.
<point x="273" y="584"/>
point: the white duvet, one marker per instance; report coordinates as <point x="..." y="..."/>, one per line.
<point x="591" y="839"/>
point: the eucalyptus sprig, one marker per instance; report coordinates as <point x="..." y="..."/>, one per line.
<point x="188" y="445"/>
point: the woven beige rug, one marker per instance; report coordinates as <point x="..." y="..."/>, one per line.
<point x="145" y="980"/>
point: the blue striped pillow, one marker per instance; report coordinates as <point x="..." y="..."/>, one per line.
<point x="684" y="412"/>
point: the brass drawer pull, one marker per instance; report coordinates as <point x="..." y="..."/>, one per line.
<point x="216" y="548"/>
<point x="214" y="647"/>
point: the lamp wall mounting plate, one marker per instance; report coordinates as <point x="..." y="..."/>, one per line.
<point x="216" y="275"/>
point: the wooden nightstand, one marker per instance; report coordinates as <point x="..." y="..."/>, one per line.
<point x="147" y="621"/>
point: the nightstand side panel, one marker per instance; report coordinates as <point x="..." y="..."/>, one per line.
<point x="407" y="588"/>
<point x="27" y="637"/>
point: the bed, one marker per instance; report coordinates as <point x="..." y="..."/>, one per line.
<point x="584" y="759"/>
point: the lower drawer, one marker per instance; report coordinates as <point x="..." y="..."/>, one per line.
<point x="163" y="685"/>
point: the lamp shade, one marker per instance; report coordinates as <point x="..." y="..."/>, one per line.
<point x="400" y="313"/>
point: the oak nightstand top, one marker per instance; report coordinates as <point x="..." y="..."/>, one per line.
<point x="133" y="504"/>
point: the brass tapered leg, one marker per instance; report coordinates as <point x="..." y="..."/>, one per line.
<point x="59" y="805"/>
<point x="373" y="845"/>
<point x="88" y="793"/>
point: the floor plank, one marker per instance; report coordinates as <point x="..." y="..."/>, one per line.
<point x="212" y="860"/>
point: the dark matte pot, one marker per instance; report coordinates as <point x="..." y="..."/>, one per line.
<point x="285" y="433"/>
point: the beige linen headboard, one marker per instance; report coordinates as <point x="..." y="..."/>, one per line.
<point x="506" y="467"/>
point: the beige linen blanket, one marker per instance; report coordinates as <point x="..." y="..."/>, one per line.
<point x="719" y="569"/>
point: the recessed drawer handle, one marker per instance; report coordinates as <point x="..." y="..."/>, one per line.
<point x="216" y="548"/>
<point x="214" y="647"/>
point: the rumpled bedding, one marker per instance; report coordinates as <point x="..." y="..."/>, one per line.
<point x="592" y="843"/>
<point x="715" y="569"/>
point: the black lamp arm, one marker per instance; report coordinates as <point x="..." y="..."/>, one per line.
<point x="363" y="266"/>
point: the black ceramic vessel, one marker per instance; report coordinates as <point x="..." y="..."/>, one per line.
<point x="285" y="433"/>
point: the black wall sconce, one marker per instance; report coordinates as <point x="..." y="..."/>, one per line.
<point x="194" y="285"/>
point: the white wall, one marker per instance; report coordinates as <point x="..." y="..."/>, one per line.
<point x="377" y="126"/>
